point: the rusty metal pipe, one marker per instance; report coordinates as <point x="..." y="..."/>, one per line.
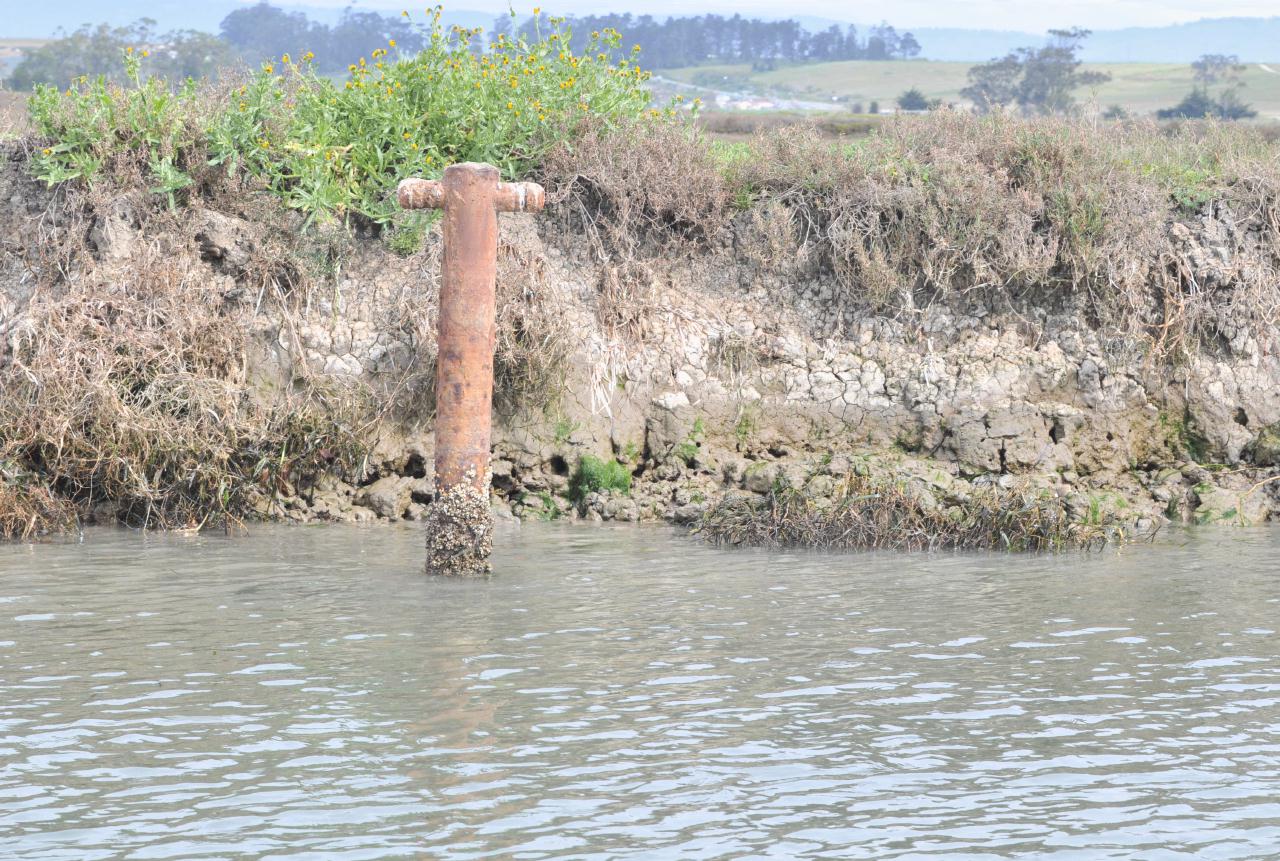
<point x="471" y="196"/>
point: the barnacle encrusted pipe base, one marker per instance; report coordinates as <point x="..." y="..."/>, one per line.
<point x="460" y="529"/>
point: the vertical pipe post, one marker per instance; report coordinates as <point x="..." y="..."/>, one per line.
<point x="459" y="521"/>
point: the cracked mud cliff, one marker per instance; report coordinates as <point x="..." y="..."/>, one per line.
<point x="964" y="334"/>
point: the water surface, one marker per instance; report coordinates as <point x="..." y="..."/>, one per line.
<point x="622" y="692"/>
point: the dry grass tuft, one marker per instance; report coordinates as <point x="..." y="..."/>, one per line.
<point x="13" y="114"/>
<point x="1009" y="214"/>
<point x="646" y="186"/>
<point x="866" y="513"/>
<point x="131" y="387"/>
<point x="635" y="193"/>
<point x="1012" y="215"/>
<point x="535" y="336"/>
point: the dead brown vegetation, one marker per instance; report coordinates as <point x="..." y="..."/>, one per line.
<point x="740" y="125"/>
<point x="635" y="194"/>
<point x="1010" y="215"/>
<point x="867" y="513"/>
<point x="13" y="114"/>
<point x="1052" y="214"/>
<point x="130" y="385"/>
<point x="144" y="388"/>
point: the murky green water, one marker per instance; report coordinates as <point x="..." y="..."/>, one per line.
<point x="305" y="693"/>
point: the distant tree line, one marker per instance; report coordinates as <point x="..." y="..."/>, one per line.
<point x="261" y="31"/>
<point x="1034" y="80"/>
<point x="1031" y="80"/>
<point x="1215" y="92"/>
<point x="251" y="34"/>
<point x="690" y="41"/>
<point x="94" y="51"/>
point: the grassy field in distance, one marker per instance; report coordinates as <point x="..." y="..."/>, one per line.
<point x="1140" y="88"/>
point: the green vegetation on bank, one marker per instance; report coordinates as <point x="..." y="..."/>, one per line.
<point x="332" y="148"/>
<point x="989" y="207"/>
<point x="596" y="474"/>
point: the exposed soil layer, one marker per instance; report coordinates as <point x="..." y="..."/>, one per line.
<point x="276" y="373"/>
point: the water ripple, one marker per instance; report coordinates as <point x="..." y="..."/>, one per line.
<point x="305" y="693"/>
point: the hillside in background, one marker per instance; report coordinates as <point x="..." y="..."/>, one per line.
<point x="1139" y="88"/>
<point x="1253" y="40"/>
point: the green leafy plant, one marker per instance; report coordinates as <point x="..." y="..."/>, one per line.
<point x="595" y="474"/>
<point x="96" y="126"/>
<point x="564" y="428"/>
<point x="338" y="148"/>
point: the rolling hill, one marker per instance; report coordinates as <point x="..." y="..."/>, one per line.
<point x="1138" y="87"/>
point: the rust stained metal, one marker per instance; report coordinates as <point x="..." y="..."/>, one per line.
<point x="471" y="196"/>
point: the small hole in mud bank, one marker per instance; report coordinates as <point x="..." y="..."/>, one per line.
<point x="416" y="466"/>
<point x="559" y="465"/>
<point x="1055" y="433"/>
<point x="1110" y="436"/>
<point x="1242" y="418"/>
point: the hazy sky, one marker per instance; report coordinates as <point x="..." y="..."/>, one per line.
<point x="990" y="14"/>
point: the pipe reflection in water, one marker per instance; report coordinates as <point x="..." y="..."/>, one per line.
<point x="628" y="692"/>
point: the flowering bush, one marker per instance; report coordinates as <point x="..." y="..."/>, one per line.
<point x="336" y="148"/>
<point x="99" y="128"/>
